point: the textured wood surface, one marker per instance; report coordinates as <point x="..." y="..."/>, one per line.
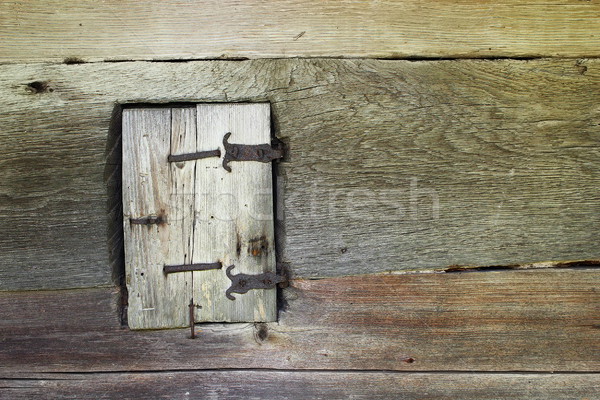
<point x="303" y="385"/>
<point x="531" y="320"/>
<point x="207" y="214"/>
<point x="392" y="164"/>
<point x="174" y="29"/>
<point x="151" y="189"/>
<point x="234" y="214"/>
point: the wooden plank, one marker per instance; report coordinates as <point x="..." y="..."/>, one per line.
<point x="146" y="30"/>
<point x="156" y="300"/>
<point x="527" y="320"/>
<point x="508" y="149"/>
<point x="208" y="214"/>
<point x="306" y="385"/>
<point x="183" y="139"/>
<point x="234" y="213"/>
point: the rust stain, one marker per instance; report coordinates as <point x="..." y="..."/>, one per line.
<point x="149" y="220"/>
<point x="258" y="246"/>
<point x="238" y="244"/>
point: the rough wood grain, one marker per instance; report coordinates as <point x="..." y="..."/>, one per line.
<point x="508" y="149"/>
<point x="529" y="320"/>
<point x="183" y="139"/>
<point x="147" y="190"/>
<point x="156" y="300"/>
<point x="233" y="213"/>
<point x="173" y="29"/>
<point x="207" y="215"/>
<point x="303" y="385"/>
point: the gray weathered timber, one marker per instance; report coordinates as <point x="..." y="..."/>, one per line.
<point x="286" y="385"/>
<point x="205" y="215"/>
<point x="233" y="215"/>
<point x="529" y="320"/>
<point x="392" y="164"/>
<point x="152" y="187"/>
<point x="174" y="29"/>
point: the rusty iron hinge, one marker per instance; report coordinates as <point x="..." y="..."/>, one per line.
<point x="249" y="152"/>
<point x="194" y="156"/>
<point x="169" y="269"/>
<point x="242" y="283"/>
<point x="149" y="220"/>
<point x="236" y="152"/>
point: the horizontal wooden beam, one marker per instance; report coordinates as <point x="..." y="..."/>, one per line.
<point x="306" y="385"/>
<point x="391" y="164"/>
<point x="71" y="31"/>
<point x="529" y="320"/>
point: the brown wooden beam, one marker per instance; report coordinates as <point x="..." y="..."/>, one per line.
<point x="529" y="320"/>
<point x="286" y="385"/>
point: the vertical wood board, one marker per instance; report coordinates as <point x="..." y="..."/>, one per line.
<point x="234" y="214"/>
<point x="155" y="300"/>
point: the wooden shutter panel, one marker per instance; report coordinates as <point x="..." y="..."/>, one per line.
<point x="199" y="213"/>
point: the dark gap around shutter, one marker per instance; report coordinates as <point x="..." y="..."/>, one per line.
<point x="114" y="204"/>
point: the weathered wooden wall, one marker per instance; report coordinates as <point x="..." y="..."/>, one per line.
<point x="175" y="29"/>
<point x="286" y="385"/>
<point x="532" y="320"/>
<point x="394" y="165"/>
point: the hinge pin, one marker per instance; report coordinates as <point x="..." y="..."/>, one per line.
<point x="192" y="307"/>
<point x="169" y="269"/>
<point x="192" y="323"/>
<point x="194" y="156"/>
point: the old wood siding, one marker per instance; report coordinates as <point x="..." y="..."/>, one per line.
<point x="422" y="167"/>
<point x="503" y="321"/>
<point x="286" y="385"/>
<point x="392" y="165"/>
<point x="165" y="30"/>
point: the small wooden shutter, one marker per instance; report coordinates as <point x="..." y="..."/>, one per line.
<point x="188" y="212"/>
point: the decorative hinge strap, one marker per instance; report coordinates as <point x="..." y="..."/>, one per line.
<point x="249" y="152"/>
<point x="242" y="283"/>
<point x="235" y="152"/>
